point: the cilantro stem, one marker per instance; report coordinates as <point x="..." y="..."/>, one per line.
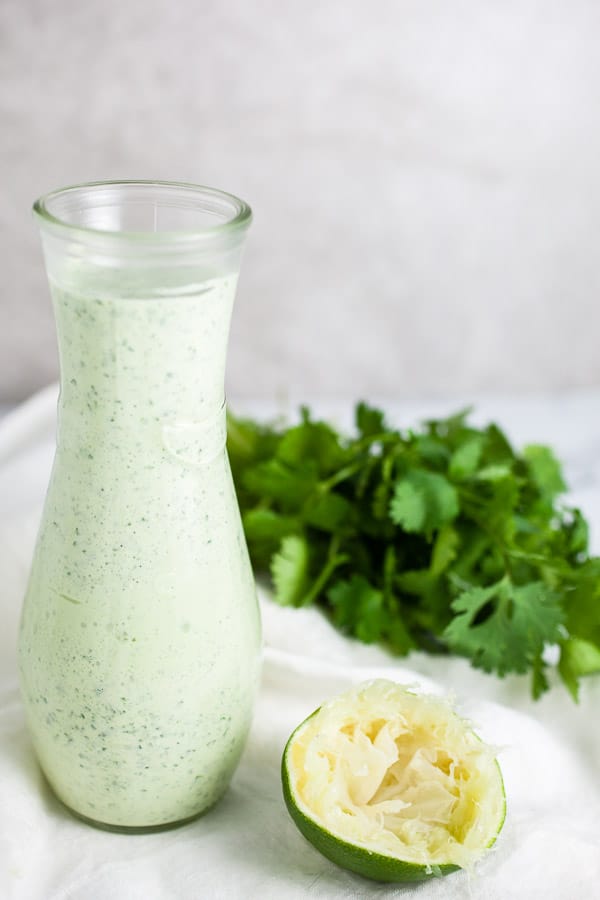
<point x="385" y="437"/>
<point x="333" y="562"/>
<point x="532" y="557"/>
<point x="341" y="475"/>
<point x="501" y="547"/>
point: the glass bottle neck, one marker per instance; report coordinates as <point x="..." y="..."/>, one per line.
<point x="146" y="360"/>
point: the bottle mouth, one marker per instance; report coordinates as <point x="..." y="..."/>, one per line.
<point x="144" y="212"/>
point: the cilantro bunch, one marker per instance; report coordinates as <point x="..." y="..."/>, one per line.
<point x="441" y="538"/>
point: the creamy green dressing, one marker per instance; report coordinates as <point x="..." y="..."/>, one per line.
<point x="140" y="634"/>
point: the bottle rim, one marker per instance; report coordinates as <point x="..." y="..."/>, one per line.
<point x="59" y="211"/>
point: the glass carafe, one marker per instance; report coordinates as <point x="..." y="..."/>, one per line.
<point x="140" y="634"/>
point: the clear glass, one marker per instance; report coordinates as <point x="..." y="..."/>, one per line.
<point x="140" y="635"/>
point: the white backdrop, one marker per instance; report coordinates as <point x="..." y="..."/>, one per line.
<point x="424" y="177"/>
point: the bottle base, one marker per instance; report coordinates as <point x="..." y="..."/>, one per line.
<point x="137" y="829"/>
<point x="134" y="829"/>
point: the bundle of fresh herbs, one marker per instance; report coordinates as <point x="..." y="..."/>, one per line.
<point x="441" y="538"/>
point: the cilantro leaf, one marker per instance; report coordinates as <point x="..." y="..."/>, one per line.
<point x="357" y="608"/>
<point x="274" y="480"/>
<point x="545" y="470"/>
<point x="360" y="609"/>
<point x="267" y="525"/>
<point x="289" y="568"/>
<point x="444" y="550"/>
<point x="329" y="512"/>
<point x="264" y="530"/>
<point x="577" y="658"/>
<point x="423" y="501"/>
<point x="504" y="627"/>
<point x="314" y="441"/>
<point x="466" y="457"/>
<point x="369" y="421"/>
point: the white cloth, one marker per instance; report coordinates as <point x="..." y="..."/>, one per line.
<point x="248" y="847"/>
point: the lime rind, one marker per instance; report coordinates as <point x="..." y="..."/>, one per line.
<point x="360" y="860"/>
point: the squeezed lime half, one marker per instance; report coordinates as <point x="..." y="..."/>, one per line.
<point x="393" y="784"/>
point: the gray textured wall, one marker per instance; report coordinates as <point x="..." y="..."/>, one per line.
<point x="424" y="177"/>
